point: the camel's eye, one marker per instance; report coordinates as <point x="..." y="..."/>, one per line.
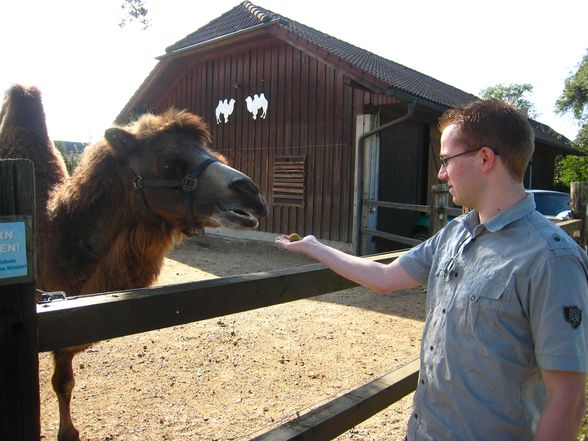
<point x="171" y="168"/>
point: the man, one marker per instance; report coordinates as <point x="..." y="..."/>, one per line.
<point x="504" y="348"/>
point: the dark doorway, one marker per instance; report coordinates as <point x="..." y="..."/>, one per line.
<point x="402" y="178"/>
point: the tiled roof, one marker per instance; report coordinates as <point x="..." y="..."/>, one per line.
<point x="247" y="16"/>
<point x="241" y="17"/>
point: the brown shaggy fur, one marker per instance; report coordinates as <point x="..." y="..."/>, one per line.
<point x="93" y="232"/>
<point x="22" y="140"/>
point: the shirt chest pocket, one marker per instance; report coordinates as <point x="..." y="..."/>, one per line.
<point x="482" y="301"/>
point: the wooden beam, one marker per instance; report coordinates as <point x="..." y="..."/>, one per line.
<point x="570" y="225"/>
<point x="398" y="205"/>
<point x="86" y="319"/>
<point x="390" y="236"/>
<point x="19" y="362"/>
<point x="451" y="211"/>
<point x="578" y="204"/>
<point x="341" y="414"/>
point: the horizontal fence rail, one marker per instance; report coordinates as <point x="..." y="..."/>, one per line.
<point x="86" y="319"/>
<point x="390" y="236"/>
<point x="570" y="226"/>
<point x="451" y="211"/>
<point x="438" y="213"/>
<point x="341" y="414"/>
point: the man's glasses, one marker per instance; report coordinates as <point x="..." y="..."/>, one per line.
<point x="445" y="159"/>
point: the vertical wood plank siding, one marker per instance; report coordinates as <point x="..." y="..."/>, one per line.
<point x="311" y="112"/>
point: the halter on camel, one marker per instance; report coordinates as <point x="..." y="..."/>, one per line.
<point x="188" y="184"/>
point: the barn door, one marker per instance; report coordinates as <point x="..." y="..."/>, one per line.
<point x="402" y="178"/>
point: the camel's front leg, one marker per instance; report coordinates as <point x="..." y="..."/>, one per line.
<point x="63" y="383"/>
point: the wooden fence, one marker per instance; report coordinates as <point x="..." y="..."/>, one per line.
<point x="98" y="317"/>
<point x="577" y="227"/>
<point x="438" y="213"/>
<point x="102" y="316"/>
<point x="19" y="362"/>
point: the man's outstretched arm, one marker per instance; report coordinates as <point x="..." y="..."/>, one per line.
<point x="377" y="276"/>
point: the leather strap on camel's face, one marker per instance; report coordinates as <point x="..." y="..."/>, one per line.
<point x="188" y="184"/>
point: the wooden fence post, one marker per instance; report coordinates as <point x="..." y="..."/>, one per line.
<point x="578" y="205"/>
<point x="19" y="360"/>
<point x="440" y="202"/>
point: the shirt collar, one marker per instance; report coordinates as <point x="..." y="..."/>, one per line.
<point x="512" y="214"/>
<point x="518" y="211"/>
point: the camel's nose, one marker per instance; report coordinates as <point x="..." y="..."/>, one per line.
<point x="246" y="186"/>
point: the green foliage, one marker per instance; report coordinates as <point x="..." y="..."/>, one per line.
<point x="574" y="99"/>
<point x="513" y="94"/>
<point x="571" y="169"/>
<point x="582" y="138"/>
<point x="134" y="10"/>
<point x="71" y="157"/>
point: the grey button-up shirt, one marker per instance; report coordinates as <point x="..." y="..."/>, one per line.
<point x="504" y="300"/>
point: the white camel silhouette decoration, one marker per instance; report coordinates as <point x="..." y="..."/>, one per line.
<point x="224" y="108"/>
<point x="256" y="103"/>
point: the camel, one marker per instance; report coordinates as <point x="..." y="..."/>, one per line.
<point x="224" y="108"/>
<point x="134" y="194"/>
<point x="255" y="104"/>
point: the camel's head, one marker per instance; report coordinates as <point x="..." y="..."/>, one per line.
<point x="176" y="177"/>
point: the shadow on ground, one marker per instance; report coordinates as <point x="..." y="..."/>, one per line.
<point x="221" y="257"/>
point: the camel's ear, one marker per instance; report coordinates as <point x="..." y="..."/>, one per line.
<point x="120" y="140"/>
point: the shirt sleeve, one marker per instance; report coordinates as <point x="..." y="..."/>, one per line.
<point x="418" y="260"/>
<point x="558" y="303"/>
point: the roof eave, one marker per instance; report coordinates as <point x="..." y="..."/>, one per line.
<point x="164" y="60"/>
<point x="216" y="41"/>
<point x="405" y="96"/>
<point x="566" y="149"/>
<point x="140" y="92"/>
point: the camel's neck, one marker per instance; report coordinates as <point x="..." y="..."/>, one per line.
<point x="102" y="239"/>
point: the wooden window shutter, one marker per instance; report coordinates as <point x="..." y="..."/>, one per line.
<point x="288" y="181"/>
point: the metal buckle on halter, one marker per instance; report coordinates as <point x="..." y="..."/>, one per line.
<point x="189" y="183"/>
<point x="48" y="297"/>
<point x="138" y="182"/>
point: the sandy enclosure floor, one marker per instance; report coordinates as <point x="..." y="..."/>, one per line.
<point x="234" y="377"/>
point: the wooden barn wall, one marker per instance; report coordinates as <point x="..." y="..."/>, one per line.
<point x="543" y="169"/>
<point x="311" y="112"/>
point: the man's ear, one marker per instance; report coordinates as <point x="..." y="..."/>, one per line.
<point x="488" y="158"/>
<point x="120" y="140"/>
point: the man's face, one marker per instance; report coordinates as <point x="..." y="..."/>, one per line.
<point x="458" y="170"/>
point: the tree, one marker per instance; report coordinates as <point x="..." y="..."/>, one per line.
<point x="574" y="99"/>
<point x="571" y="169"/>
<point x="134" y="10"/>
<point x="514" y="94"/>
<point x="72" y="156"/>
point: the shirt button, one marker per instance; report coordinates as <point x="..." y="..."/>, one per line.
<point x="472" y="298"/>
<point x="443" y="311"/>
<point x="431" y="348"/>
<point x="422" y="381"/>
<point x="416" y="415"/>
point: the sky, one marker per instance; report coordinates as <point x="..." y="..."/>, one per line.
<point x="87" y="67"/>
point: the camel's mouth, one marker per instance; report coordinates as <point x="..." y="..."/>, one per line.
<point x="236" y="218"/>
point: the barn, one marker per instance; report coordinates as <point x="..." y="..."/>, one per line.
<point x="318" y="123"/>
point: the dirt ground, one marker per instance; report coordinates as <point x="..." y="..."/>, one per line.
<point x="235" y="377"/>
